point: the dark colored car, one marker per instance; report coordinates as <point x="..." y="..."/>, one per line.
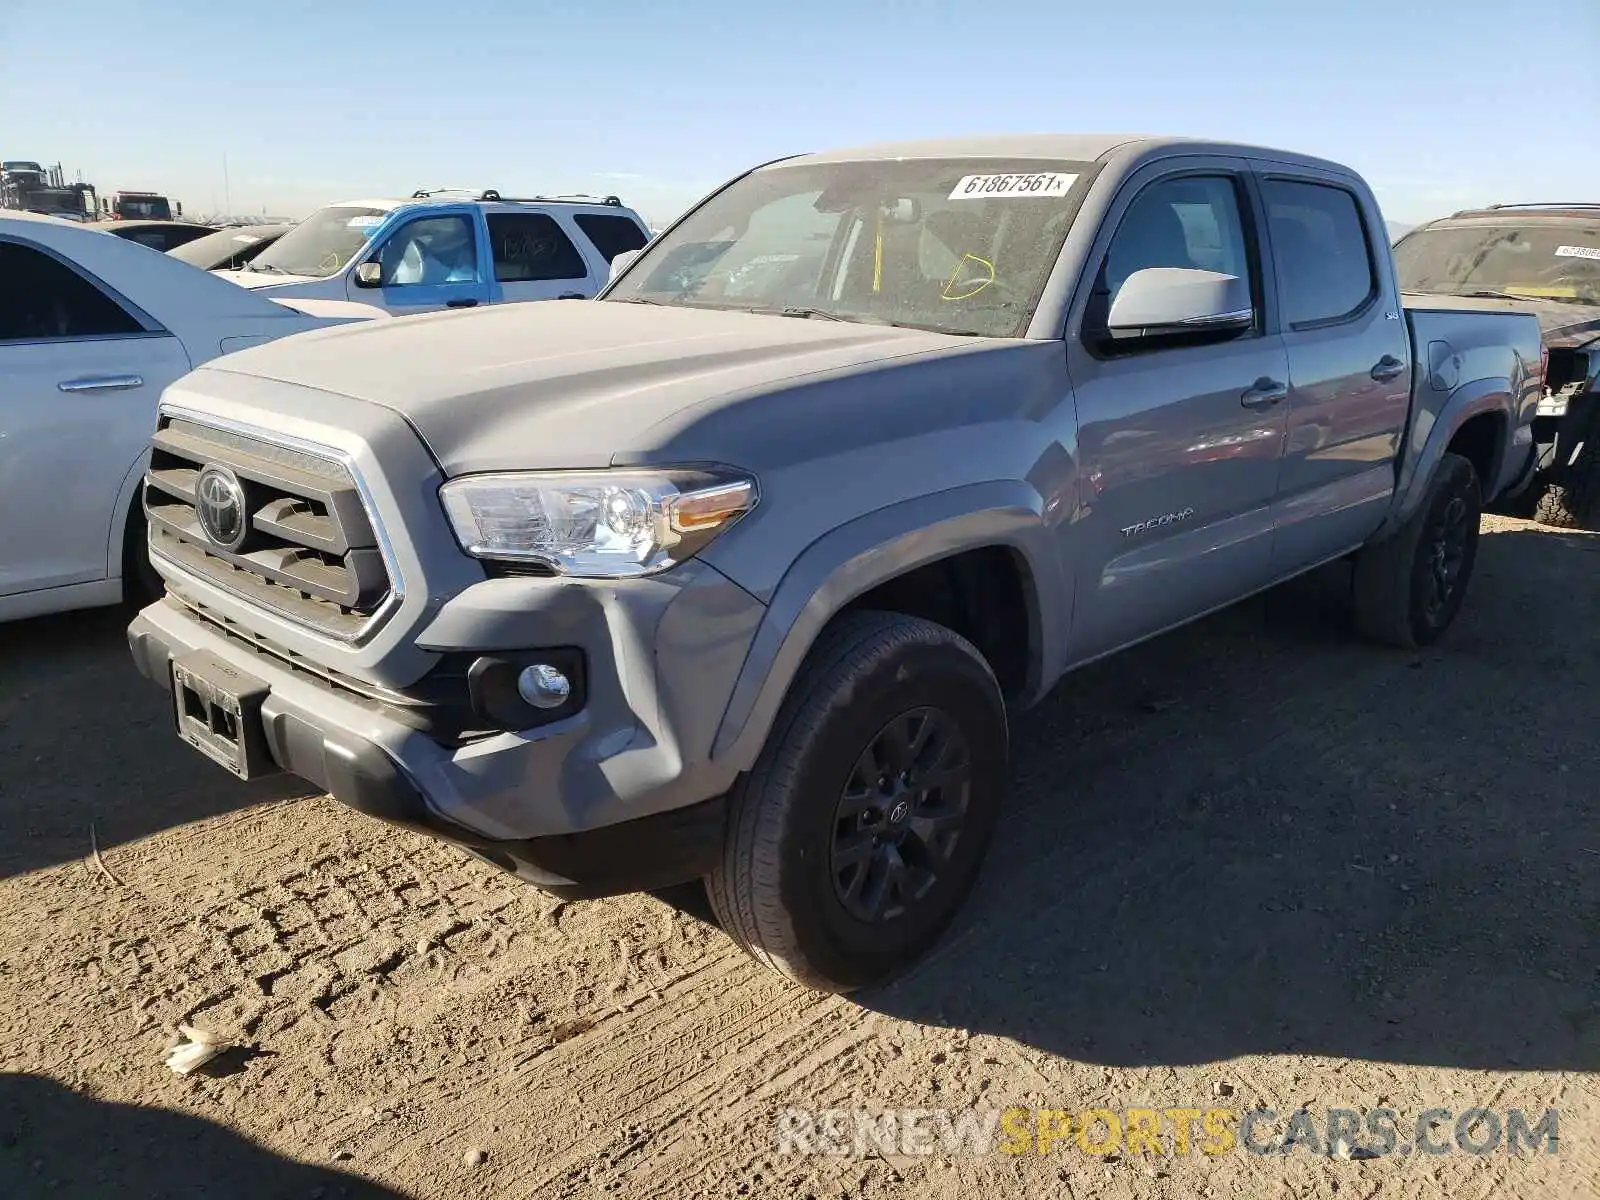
<point x="229" y="249"/>
<point x="158" y="235"/>
<point x="1544" y="259"/>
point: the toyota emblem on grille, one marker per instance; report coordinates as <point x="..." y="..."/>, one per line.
<point x="219" y="503"/>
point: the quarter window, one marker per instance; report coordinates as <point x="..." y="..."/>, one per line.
<point x="41" y="297"/>
<point x="611" y="235"/>
<point x="531" y="247"/>
<point x="1320" y="243"/>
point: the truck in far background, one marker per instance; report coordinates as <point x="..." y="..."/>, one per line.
<point x="140" y="206"/>
<point x="28" y="186"/>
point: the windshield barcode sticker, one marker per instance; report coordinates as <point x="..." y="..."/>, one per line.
<point x="1037" y="183"/>
<point x="1578" y="251"/>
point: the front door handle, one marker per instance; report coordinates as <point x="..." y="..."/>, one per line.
<point x="1265" y="393"/>
<point x="102" y="383"/>
<point x="572" y="296"/>
<point x="461" y="304"/>
<point x="1388" y="367"/>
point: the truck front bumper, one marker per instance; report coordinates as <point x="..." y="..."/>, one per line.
<point x="618" y="796"/>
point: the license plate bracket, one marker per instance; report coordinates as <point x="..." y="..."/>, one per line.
<point x="218" y="712"/>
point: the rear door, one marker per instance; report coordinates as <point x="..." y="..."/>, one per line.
<point x="80" y="374"/>
<point x="1179" y="439"/>
<point x="536" y="258"/>
<point x="1349" y="363"/>
<point x="431" y="259"/>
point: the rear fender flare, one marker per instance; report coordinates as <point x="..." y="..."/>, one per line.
<point x="873" y="549"/>
<point x="1431" y="432"/>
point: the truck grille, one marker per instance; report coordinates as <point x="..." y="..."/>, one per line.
<point x="302" y="544"/>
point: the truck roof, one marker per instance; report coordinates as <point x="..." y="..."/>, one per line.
<point x="1077" y="147"/>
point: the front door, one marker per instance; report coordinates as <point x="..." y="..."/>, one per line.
<point x="81" y="377"/>
<point x="1179" y="438"/>
<point x="433" y="260"/>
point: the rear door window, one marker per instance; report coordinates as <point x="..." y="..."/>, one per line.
<point x="1320" y="243"/>
<point x="42" y="298"/>
<point x="611" y="235"/>
<point x="530" y="247"/>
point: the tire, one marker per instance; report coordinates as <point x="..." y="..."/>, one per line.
<point x="1408" y="588"/>
<point x="1572" y="499"/>
<point x="808" y="882"/>
<point x="1556" y="508"/>
<point x="141" y="582"/>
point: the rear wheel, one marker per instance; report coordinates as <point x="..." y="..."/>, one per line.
<point x="859" y="832"/>
<point x="1409" y="587"/>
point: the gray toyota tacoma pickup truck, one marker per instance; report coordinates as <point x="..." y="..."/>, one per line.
<point x="736" y="572"/>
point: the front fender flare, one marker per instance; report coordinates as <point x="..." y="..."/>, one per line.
<point x="870" y="550"/>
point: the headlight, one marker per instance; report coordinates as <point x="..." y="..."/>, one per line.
<point x="599" y="524"/>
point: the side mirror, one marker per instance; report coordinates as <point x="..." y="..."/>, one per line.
<point x="620" y="263"/>
<point x="369" y="274"/>
<point x="1169" y="300"/>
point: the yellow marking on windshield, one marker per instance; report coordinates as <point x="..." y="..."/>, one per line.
<point x="1556" y="293"/>
<point x="956" y="274"/>
<point x="877" y="256"/>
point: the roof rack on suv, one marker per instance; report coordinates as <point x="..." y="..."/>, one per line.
<point x="490" y="195"/>
<point x="1554" y="205"/>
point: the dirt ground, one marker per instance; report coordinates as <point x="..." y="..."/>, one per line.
<point x="1252" y="863"/>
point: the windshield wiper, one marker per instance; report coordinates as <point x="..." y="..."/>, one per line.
<point x="1492" y="294"/>
<point x="639" y="300"/>
<point x="819" y="314"/>
<point x="267" y="267"/>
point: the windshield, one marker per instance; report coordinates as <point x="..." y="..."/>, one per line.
<point x="144" y="208"/>
<point x="1540" y="262"/>
<point x="320" y="245"/>
<point x="958" y="246"/>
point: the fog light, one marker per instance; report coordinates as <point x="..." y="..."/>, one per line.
<point x="542" y="686"/>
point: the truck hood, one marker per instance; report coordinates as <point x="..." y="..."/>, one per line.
<point x="1561" y="325"/>
<point x="585" y="384"/>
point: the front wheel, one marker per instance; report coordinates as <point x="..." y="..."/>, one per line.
<point x="859" y="832"/>
<point x="1409" y="587"/>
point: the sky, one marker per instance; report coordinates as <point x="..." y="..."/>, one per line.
<point x="285" y="105"/>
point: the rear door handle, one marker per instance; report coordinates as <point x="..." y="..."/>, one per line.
<point x="102" y="383"/>
<point x="1388" y="367"/>
<point x="1265" y="393"/>
<point x="461" y="304"/>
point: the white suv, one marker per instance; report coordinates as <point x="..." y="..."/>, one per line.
<point x="448" y="249"/>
